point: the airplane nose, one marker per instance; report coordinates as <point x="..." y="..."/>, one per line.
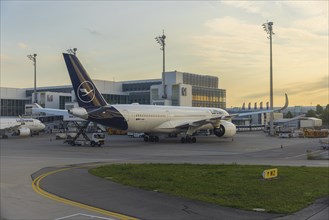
<point x="43" y="126"/>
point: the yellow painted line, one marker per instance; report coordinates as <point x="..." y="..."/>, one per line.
<point x="37" y="189"/>
<point x="301" y="155"/>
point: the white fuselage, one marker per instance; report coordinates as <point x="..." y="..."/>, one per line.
<point x="165" y="119"/>
<point x="18" y="123"/>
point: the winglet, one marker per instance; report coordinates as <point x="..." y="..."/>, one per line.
<point x="37" y="105"/>
<point x="285" y="104"/>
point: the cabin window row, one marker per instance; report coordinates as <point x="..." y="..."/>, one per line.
<point x="150" y="115"/>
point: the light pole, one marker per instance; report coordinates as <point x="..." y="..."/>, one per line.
<point x="269" y="30"/>
<point x="161" y="41"/>
<point x="34" y="60"/>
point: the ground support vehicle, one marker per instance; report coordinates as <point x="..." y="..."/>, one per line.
<point x="324" y="142"/>
<point x="96" y="139"/>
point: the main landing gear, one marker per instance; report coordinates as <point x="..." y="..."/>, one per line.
<point x="4" y="136"/>
<point x="188" y="139"/>
<point x="154" y="138"/>
<point x="151" y="138"/>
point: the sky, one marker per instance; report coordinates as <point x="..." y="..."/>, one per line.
<point x="115" y="41"/>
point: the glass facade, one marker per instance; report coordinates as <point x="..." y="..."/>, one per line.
<point x="208" y="97"/>
<point x="175" y="95"/>
<point x="139" y="86"/>
<point x="139" y="97"/>
<point x="155" y="94"/>
<point x="115" y="99"/>
<point x="139" y="92"/>
<point x="63" y="100"/>
<point x="64" y="89"/>
<point x="13" y="107"/>
<point x="200" y="80"/>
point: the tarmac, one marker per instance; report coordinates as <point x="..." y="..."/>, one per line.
<point x="37" y="156"/>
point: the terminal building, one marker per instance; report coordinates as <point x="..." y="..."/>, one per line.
<point x="187" y="89"/>
<point x="175" y="88"/>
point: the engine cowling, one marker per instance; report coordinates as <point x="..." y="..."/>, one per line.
<point x="225" y="129"/>
<point x="24" y="131"/>
<point x="79" y="112"/>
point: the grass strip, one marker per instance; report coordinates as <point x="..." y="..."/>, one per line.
<point x="237" y="186"/>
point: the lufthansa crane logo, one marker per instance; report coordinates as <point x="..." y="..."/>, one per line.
<point x="86" y="92"/>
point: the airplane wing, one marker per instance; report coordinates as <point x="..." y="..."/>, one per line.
<point x="260" y="112"/>
<point x="51" y="111"/>
<point x="9" y="127"/>
<point x="184" y="125"/>
<point x="199" y="123"/>
<point x="194" y="125"/>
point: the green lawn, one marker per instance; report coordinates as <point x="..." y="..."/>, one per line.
<point x="228" y="185"/>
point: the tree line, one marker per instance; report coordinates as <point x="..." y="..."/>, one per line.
<point x="319" y="112"/>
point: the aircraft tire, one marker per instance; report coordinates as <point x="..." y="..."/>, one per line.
<point x="193" y="139"/>
<point x="156" y="139"/>
<point x="146" y="138"/>
<point x="183" y="140"/>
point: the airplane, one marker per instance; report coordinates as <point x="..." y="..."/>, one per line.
<point x="20" y="126"/>
<point x="152" y="120"/>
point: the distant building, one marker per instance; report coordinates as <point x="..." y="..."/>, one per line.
<point x="13" y="101"/>
<point x="255" y="121"/>
<point x="298" y="122"/>
<point x="184" y="89"/>
<point x="298" y="110"/>
<point x="188" y="89"/>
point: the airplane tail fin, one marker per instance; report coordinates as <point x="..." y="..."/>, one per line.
<point x="84" y="88"/>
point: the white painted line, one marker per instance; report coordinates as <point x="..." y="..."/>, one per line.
<point x="300" y="155"/>
<point x="80" y="214"/>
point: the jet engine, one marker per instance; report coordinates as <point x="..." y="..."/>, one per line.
<point x="79" y="112"/>
<point x="225" y="129"/>
<point x="23" y="132"/>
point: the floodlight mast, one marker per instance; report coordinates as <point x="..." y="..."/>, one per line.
<point x="161" y="41"/>
<point x="72" y="51"/>
<point x="34" y="60"/>
<point x="269" y="30"/>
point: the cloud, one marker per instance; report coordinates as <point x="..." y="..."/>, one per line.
<point x="94" y="32"/>
<point x="22" y="45"/>
<point x="308" y="8"/>
<point x="238" y="51"/>
<point x="311" y="15"/>
<point x="4" y="57"/>
<point x="248" y="6"/>
<point x="316" y="24"/>
<point x="301" y="89"/>
<point x="229" y="42"/>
